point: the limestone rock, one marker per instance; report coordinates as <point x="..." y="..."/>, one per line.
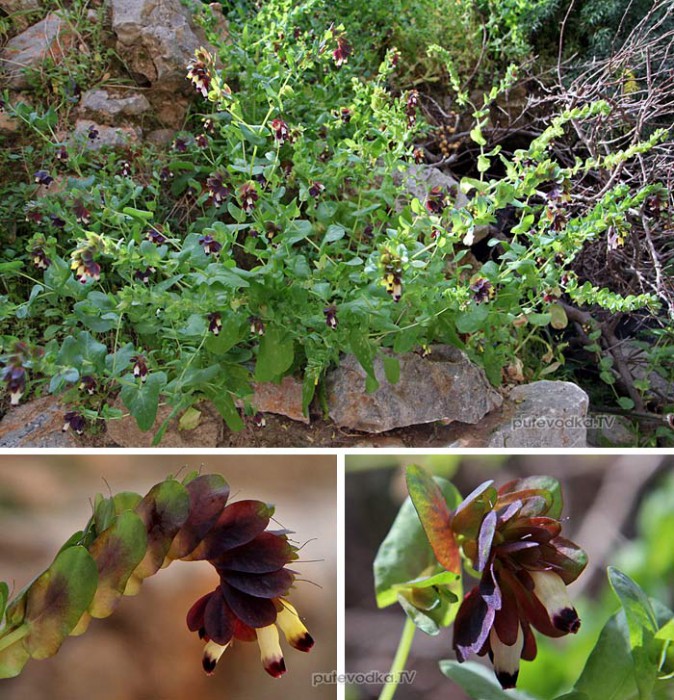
<point x="36" y="423"/>
<point x="49" y="38"/>
<point x="157" y="40"/>
<point x="284" y="399"/>
<point x="607" y="430"/>
<point x="107" y="108"/>
<point x="443" y="386"/>
<point x="108" y="136"/>
<point x="544" y="414"/>
<point x="126" y="433"/>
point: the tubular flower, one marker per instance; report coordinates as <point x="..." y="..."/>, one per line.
<point x="214" y="322"/>
<point x="14" y="376"/>
<point x="248" y="196"/>
<point x="249" y="604"/>
<point x="86" y="268"/>
<point x="280" y="130"/>
<point x="512" y="537"/>
<point x="198" y="72"/>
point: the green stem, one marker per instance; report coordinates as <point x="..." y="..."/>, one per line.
<point x="14" y="636"/>
<point x="398" y="666"/>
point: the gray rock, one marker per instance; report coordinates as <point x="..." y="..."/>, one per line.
<point x="544" y="414"/>
<point x="36" y="423"/>
<point x="105" y="108"/>
<point x="51" y="37"/>
<point x="606" y="430"/>
<point x="419" y="180"/>
<point x="434" y="388"/>
<point x="157" y="40"/>
<point x="641" y="368"/>
<point x="126" y="433"/>
<point x="108" y="136"/>
<point x="161" y="137"/>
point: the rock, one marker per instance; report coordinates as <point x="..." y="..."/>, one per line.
<point x="641" y="369"/>
<point x="430" y="389"/>
<point x="606" y="430"/>
<point x="19" y="12"/>
<point x="419" y="180"/>
<point x="156" y="39"/>
<point x="544" y="414"/>
<point x="36" y="423"/>
<point x="49" y="38"/>
<point x="105" y="108"/>
<point x="284" y="398"/>
<point x="161" y="137"/>
<point x="208" y="433"/>
<point x="108" y="136"/>
<point x="8" y="125"/>
<point x="169" y="112"/>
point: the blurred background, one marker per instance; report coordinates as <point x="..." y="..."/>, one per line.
<point x="144" y="650"/>
<point x="619" y="508"/>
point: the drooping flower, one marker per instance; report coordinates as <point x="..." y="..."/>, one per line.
<point x="88" y="384"/>
<point x="210" y="245"/>
<point x="140" y="369"/>
<point x="436" y="200"/>
<point x="482" y="289"/>
<point x="217" y="188"/>
<point x="143" y="276"/>
<point x="125" y="168"/>
<point x="85" y="266"/>
<point x="92" y="133"/>
<point x="250" y="602"/>
<point x="74" y="421"/>
<point x="14" y="376"/>
<point x="411" y="108"/>
<point x="280" y="130"/>
<point x="259" y="420"/>
<point x="512" y="537"/>
<point x="214" y="323"/>
<point x="82" y="214"/>
<point x="40" y="258"/>
<point x="316" y="189"/>
<point x="256" y="325"/>
<point x="248" y="196"/>
<point x="42" y="177"/>
<point x="62" y="154"/>
<point x="201" y="140"/>
<point x="155" y="236"/>
<point x="341" y="54"/>
<point x="331" y="316"/>
<point x="199" y="71"/>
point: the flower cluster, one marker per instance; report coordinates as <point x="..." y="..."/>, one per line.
<point x="411" y="106"/>
<point x="512" y="538"/>
<point x="482" y="289"/>
<point x="393" y="274"/>
<point x="84" y="263"/>
<point x="14" y="376"/>
<point x="341" y="54"/>
<point x="250" y="602"/>
<point x="199" y="71"/>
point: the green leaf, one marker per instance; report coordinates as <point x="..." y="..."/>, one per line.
<point x="275" y="355"/>
<point x="13" y="658"/>
<point x="334" y="233"/>
<point x="229" y="336"/>
<point x="405" y="555"/>
<point x="391" y="369"/>
<point x="642" y="626"/>
<point x="473" y="319"/>
<point x="430" y="504"/>
<point x="666" y="631"/>
<point x="479" y="681"/>
<point x="625" y="402"/>
<point x="364" y="350"/>
<point x="117" y="551"/>
<point x="142" y="399"/>
<point x="558" y="317"/>
<point x="224" y="403"/>
<point x="57" y="600"/>
<point x="476" y="135"/>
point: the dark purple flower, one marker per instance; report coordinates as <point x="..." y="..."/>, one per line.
<point x="209" y="126"/>
<point x="341" y="54"/>
<point x="125" y="168"/>
<point x="217" y="188"/>
<point x="201" y="140"/>
<point x="42" y="177"/>
<point x="180" y="145"/>
<point x="86" y="268"/>
<point x="62" y="154"/>
<point x="345" y="114"/>
<point x="482" y="289"/>
<point x="210" y="245"/>
<point x="248" y="196"/>
<point x="144" y="276"/>
<point x="331" y="316"/>
<point x="92" y="132"/>
<point x="436" y="200"/>
<point x="256" y="325"/>
<point x="280" y="130"/>
<point x="165" y="174"/>
<point x="214" y="322"/>
<point x="74" y="421"/>
<point x="140" y="370"/>
<point x="156" y="237"/>
<point x="259" y="420"/>
<point x="14" y="376"/>
<point x="316" y="189"/>
<point x="411" y="106"/>
<point x="56" y="221"/>
<point x="82" y="214"/>
<point x="40" y="258"/>
<point x="88" y="384"/>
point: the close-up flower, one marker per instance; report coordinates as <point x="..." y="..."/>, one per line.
<point x="248" y="196"/>
<point x="210" y="245"/>
<point x="14" y="376"/>
<point x="280" y="130"/>
<point x="214" y="322"/>
<point x="217" y="188"/>
<point x="482" y="289"/>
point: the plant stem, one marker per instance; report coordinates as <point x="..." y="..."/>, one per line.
<point x="14" y="636"/>
<point x="404" y="646"/>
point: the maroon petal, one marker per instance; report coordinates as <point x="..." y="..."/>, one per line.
<point x="485" y="539"/>
<point x="539" y="529"/>
<point x="534" y="611"/>
<point x="490" y="590"/>
<point x="208" y="496"/>
<point x="238" y="524"/>
<point x="472" y="625"/>
<point x="468" y="516"/>
<point x="252" y="611"/>
<point x="529" y="650"/>
<point x="568" y="559"/>
<point x="218" y="619"/>
<point x="267" y="552"/>
<point x="195" y="616"/>
<point x="273" y="585"/>
<point x="507" y="619"/>
<point x="243" y="632"/>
